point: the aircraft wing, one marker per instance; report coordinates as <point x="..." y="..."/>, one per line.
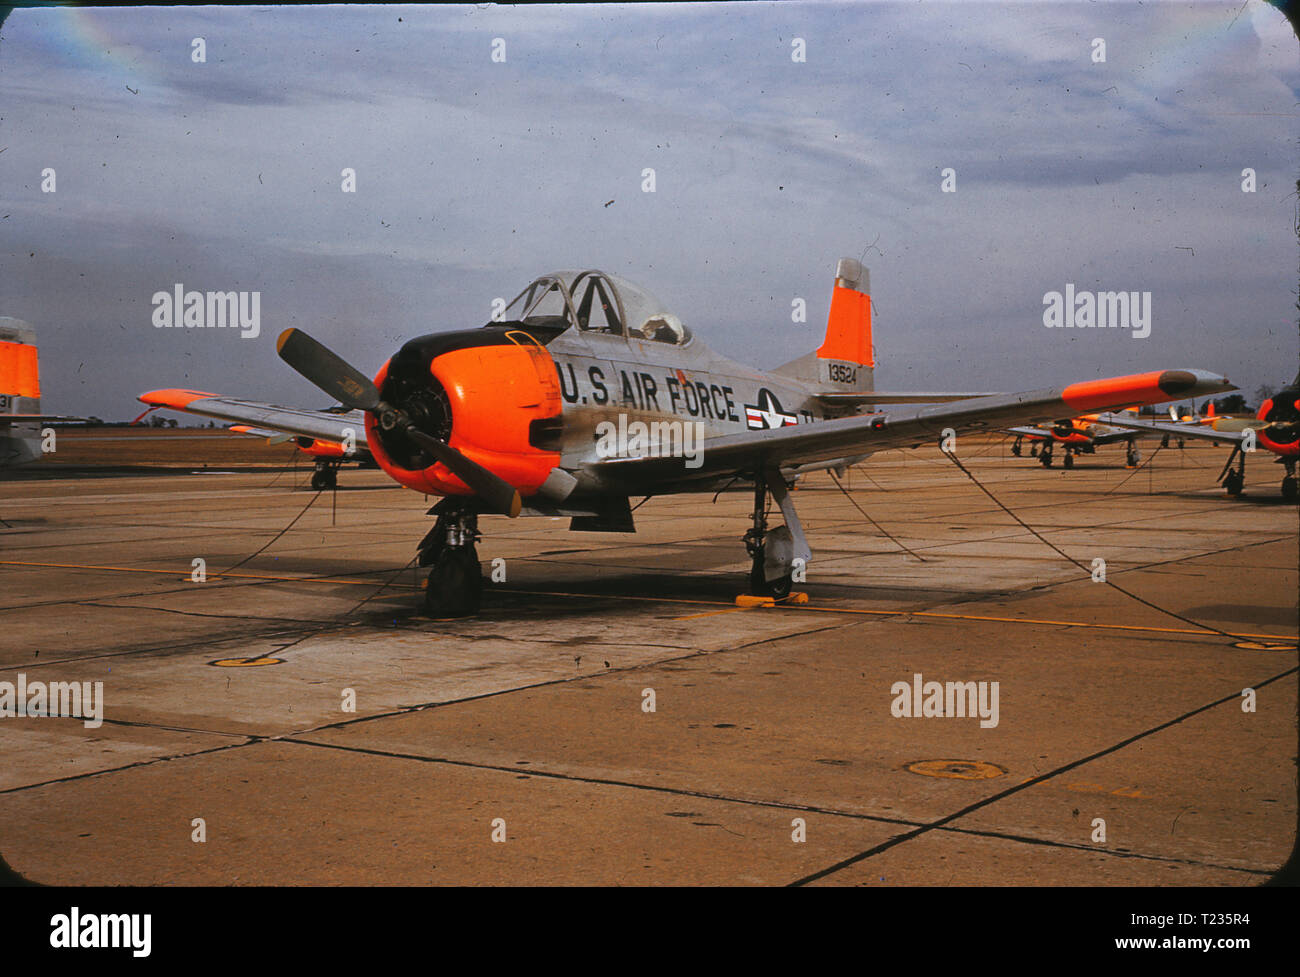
<point x="800" y="444"/>
<point x="1111" y="437"/>
<point x="322" y="425"/>
<point x="1173" y="429"/>
<point x="837" y="399"/>
<point x="1030" y="432"/>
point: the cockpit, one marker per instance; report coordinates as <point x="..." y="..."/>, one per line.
<point x="597" y="303"/>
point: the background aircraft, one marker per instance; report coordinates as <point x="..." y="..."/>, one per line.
<point x="328" y="456"/>
<point x="1077" y="435"/>
<point x="588" y="391"/>
<point x="1275" y="428"/>
<point x="20" y="394"/>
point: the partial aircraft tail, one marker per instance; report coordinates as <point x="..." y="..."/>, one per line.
<point x="845" y="362"/>
<point x="19" y="375"/>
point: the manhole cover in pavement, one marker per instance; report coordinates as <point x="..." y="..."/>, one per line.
<point x="956" y="769"/>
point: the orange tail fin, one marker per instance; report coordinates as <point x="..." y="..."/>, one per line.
<point x="848" y="327"/>
<point x="18" y="371"/>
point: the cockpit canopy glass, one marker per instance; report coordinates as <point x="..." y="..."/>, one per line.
<point x="595" y="302"/>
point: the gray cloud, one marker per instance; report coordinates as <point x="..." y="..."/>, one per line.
<point x="475" y="176"/>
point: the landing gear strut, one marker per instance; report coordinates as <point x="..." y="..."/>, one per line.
<point x="1132" y="455"/>
<point x="773" y="553"/>
<point x="1234" y="479"/>
<point x="326" y="475"/>
<point x="1015" y="447"/>
<point x="455" y="583"/>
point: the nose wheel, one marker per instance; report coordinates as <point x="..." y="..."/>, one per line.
<point x="454" y="586"/>
<point x="326" y="476"/>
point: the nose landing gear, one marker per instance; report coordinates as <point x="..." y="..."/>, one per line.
<point x="454" y="586"/>
<point x="326" y="475"/>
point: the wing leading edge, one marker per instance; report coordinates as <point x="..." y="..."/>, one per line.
<point x="1173" y="428"/>
<point x="801" y="444"/>
<point x="319" y="424"/>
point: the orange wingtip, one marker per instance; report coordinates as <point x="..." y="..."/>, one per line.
<point x="174" y="397"/>
<point x="1137" y="388"/>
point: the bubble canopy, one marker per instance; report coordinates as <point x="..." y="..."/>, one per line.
<point x="595" y="302"/>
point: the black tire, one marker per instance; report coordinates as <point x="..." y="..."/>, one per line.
<point x="1045" y="460"/>
<point x="760" y="586"/>
<point x="455" y="584"/>
<point x="1289" y="488"/>
<point x="323" y="478"/>
<point x="1069" y="461"/>
<point x="1234" y="484"/>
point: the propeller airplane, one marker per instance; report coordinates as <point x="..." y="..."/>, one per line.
<point x="519" y="416"/>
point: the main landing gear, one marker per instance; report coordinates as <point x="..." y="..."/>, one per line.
<point x="774" y="554"/>
<point x="455" y="584"/>
<point x="326" y="475"/>
<point x="1132" y="456"/>
<point x="1234" y="479"/>
<point x="1015" y="446"/>
<point x="1045" y="456"/>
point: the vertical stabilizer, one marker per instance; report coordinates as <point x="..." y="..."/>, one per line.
<point x="848" y="328"/>
<point x="845" y="362"/>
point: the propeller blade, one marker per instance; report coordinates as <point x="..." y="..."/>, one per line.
<point x="499" y="494"/>
<point x="350" y="387"/>
<point x="326" y="369"/>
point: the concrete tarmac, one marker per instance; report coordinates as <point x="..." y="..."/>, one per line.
<point x="295" y="719"/>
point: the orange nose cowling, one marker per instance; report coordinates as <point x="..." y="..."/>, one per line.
<point x="1285" y="449"/>
<point x="495" y="393"/>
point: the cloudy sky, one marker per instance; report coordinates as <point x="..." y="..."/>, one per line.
<point x="474" y="175"/>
